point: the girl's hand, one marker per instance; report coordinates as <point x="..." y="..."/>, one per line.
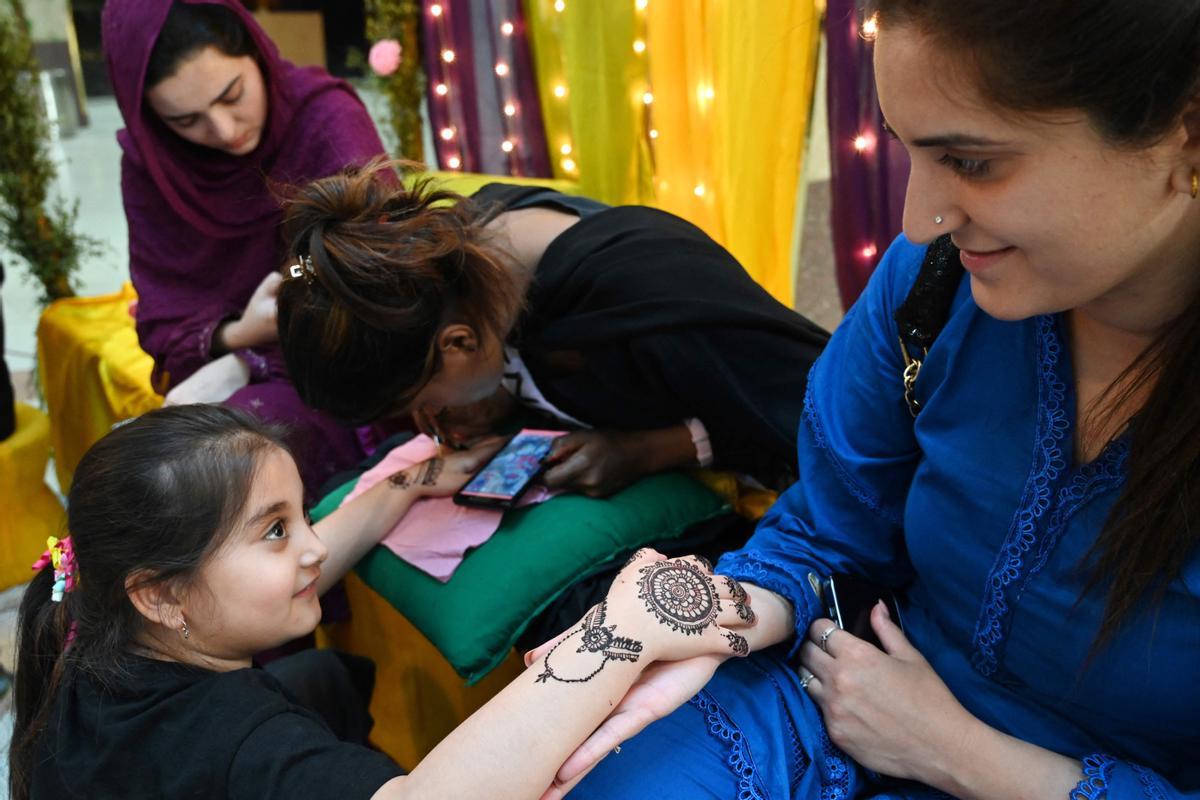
<point x="677" y="608"/>
<point x="442" y="476"/>
<point x="257" y="325"/>
<point x="888" y="710"/>
<point x="215" y="382"/>
<point x="596" y="463"/>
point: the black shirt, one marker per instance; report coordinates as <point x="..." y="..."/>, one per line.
<point x="174" y="731"/>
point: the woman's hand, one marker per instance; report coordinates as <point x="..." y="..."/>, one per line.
<point x="257" y="325"/>
<point x="462" y="425"/>
<point x="888" y="710"/>
<point x="215" y="382"/>
<point x="599" y="463"/>
<point x="442" y="476"/>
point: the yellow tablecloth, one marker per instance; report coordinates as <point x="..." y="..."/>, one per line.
<point x="31" y="511"/>
<point x="93" y="373"/>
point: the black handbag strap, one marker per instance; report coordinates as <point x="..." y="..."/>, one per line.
<point x="923" y="314"/>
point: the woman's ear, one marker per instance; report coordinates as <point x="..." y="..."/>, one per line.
<point x="457" y="338"/>
<point x="156" y="601"/>
<point x="1185" y="178"/>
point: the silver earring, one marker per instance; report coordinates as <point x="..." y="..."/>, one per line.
<point x="186" y="633"/>
<point x="938" y="220"/>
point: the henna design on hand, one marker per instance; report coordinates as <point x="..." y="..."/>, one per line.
<point x="704" y="562"/>
<point x="737" y="643"/>
<point x="680" y="595"/>
<point x="595" y="637"/>
<point x="430" y="471"/>
<point x="400" y="480"/>
<point x="744" y="612"/>
<point x="636" y="555"/>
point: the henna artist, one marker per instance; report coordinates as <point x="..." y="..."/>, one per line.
<point x="627" y="324"/>
<point x="189" y="551"/>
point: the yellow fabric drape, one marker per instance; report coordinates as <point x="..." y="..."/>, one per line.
<point x="732" y="86"/>
<point x="587" y="50"/>
<point x="31" y="511"/>
<point x="93" y="372"/>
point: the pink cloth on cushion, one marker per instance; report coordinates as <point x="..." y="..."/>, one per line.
<point x="436" y="533"/>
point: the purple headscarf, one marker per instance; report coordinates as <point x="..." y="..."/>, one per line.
<point x="203" y="224"/>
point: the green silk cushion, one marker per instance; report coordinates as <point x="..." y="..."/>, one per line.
<point x="535" y="555"/>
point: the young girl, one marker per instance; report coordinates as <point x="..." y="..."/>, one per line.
<point x="1040" y="511"/>
<point x="189" y="551"/>
<point x="214" y="119"/>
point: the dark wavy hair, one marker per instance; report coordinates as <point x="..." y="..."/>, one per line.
<point x="1133" y="68"/>
<point x="150" y="502"/>
<point x="392" y="265"/>
<point x="188" y="29"/>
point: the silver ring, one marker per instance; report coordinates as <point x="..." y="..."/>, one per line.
<point x="938" y="220"/>
<point x="806" y="678"/>
<point x="824" y="640"/>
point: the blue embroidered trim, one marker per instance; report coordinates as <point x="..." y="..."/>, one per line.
<point x="720" y="726"/>
<point x="1094" y="785"/>
<point x="859" y="492"/>
<point x="838" y="785"/>
<point x="1052" y="425"/>
<point x="800" y="760"/>
<point x="1151" y="785"/>
<point x="751" y="566"/>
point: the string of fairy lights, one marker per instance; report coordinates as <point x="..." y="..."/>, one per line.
<point x="866" y="142"/>
<point x="444" y="84"/>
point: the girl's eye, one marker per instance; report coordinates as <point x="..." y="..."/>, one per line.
<point x="276" y="531"/>
<point x="186" y="122"/>
<point x="229" y="101"/>
<point x="966" y="167"/>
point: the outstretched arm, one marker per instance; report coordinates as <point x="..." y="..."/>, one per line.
<point x="516" y="742"/>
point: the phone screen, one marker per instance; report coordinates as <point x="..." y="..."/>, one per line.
<point x="510" y="470"/>
<point x="850" y="601"/>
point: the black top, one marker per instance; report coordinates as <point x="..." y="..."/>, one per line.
<point x="636" y="319"/>
<point x="175" y="731"/>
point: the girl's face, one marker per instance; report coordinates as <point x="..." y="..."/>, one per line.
<point x="214" y="100"/>
<point x="1048" y="214"/>
<point x="259" y="589"/>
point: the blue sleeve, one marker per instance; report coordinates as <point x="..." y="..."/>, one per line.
<point x="857" y="455"/>
<point x="1106" y="778"/>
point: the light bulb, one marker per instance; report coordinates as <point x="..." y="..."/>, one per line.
<point x="447" y="134"/>
<point x="565" y="149"/>
<point x="560" y="91"/>
<point x="560" y="6"/>
<point x="507" y="29"/>
<point x="441" y="90"/>
<point x="509" y="110"/>
<point x="507" y="145"/>
<point x="568" y="164"/>
<point x="654" y="133"/>
<point x="869" y="251"/>
<point x="647" y="98"/>
<point x="501" y="69"/>
<point x="699" y="190"/>
<point x="862" y="142"/>
<point x="435" y="10"/>
<point x="453" y="162"/>
<point x="709" y="93"/>
<point x="640" y="5"/>
<point x="448" y="56"/>
<point x="639" y="46"/>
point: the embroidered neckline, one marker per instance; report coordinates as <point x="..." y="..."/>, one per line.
<point x="1046" y="507"/>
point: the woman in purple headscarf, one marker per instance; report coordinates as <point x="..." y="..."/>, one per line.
<point x="215" y="122"/>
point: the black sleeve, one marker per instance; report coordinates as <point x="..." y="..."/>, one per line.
<point x="292" y="755"/>
<point x="746" y="386"/>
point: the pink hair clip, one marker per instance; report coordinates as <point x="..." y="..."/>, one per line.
<point x="61" y="555"/>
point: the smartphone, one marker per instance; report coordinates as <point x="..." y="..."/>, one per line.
<point x="505" y="478"/>
<point x="850" y="601"/>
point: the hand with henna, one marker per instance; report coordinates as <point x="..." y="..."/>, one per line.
<point x="443" y="476"/>
<point x="657" y="609"/>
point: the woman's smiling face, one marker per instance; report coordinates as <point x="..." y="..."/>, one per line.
<point x="1049" y="215"/>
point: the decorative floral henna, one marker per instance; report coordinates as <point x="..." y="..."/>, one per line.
<point x="680" y="595"/>
<point x="400" y="480"/>
<point x="430" y="471"/>
<point x="595" y="637"/>
<point x="737" y="643"/>
<point x="744" y="612"/>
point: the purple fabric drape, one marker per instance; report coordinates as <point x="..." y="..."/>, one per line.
<point x="470" y="97"/>
<point x="869" y="168"/>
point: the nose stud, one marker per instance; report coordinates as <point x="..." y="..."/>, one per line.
<point x="937" y="220"/>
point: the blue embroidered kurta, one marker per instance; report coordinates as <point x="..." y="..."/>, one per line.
<point x="979" y="513"/>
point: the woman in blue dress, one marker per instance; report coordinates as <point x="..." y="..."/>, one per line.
<point x="1037" y="516"/>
